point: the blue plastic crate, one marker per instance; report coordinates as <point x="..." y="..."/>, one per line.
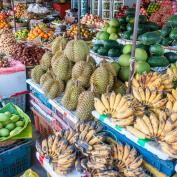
<point x="165" y="166"/>
<point x="42" y="98"/>
<point x="15" y="159"/>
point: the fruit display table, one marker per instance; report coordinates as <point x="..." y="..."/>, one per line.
<point x="149" y="149"/>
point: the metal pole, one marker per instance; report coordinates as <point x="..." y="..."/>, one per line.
<point x="79" y="16"/>
<point x="132" y="61"/>
<point x="12" y="5"/>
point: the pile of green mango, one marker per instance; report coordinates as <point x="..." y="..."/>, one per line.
<point x="10" y="124"/>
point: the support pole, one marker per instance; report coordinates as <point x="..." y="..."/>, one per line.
<point x="132" y="61"/>
<point x="14" y="20"/>
<point x="79" y="16"/>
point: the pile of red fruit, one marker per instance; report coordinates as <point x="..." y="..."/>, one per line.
<point x="121" y="11"/>
<point x="165" y="11"/>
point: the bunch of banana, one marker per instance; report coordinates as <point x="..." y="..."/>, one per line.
<point x="100" y="162"/>
<point x="148" y="100"/>
<point x="49" y="147"/>
<point x="172" y="71"/>
<point x="87" y="136"/>
<point x="117" y="107"/>
<point x="66" y="158"/>
<point x="153" y="81"/>
<point x="127" y="160"/>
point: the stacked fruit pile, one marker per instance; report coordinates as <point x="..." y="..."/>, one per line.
<point x="169" y="32"/>
<point x="3" y="21"/>
<point x="19" y="10"/>
<point x="164" y="12"/>
<point x="10" y="124"/>
<point x="86" y="34"/>
<point x="28" y="55"/>
<point x="7" y="42"/>
<point x="109" y="31"/>
<point x="21" y="34"/>
<point x="86" y="150"/>
<point x="121" y="11"/>
<point x="92" y="21"/>
<point x="40" y="31"/>
<point x="73" y="72"/>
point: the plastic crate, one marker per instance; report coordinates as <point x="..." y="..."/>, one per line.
<point x="19" y="100"/>
<point x="41" y="124"/>
<point x="15" y="158"/>
<point x="165" y="166"/>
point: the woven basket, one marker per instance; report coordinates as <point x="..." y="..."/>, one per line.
<point x="7" y="143"/>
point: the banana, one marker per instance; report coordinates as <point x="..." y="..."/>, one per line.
<point x="161" y="126"/>
<point x="170" y="97"/>
<point x="155" y="123"/>
<point x="63" y="144"/>
<point x="112" y="101"/>
<point x="105" y="101"/>
<point x="142" y="126"/>
<point x="149" y="125"/>
<point x="123" y="114"/>
<point x="170" y="137"/>
<point x="124" y="122"/>
<point x="135" y="83"/>
<point x="160" y="103"/>
<point x="168" y="149"/>
<point x="136" y="94"/>
<point x="142" y="94"/>
<point x="115" y="152"/>
<point x="174" y="93"/>
<point x="136" y="132"/>
<point x="173" y="117"/>
<point x="174" y="109"/>
<point x="120" y="150"/>
<point x="121" y="103"/>
<point x="96" y="139"/>
<point x="157" y="98"/>
<point x="117" y="100"/>
<point x="100" y="108"/>
<point x="131" y="157"/>
<point x="147" y="94"/>
<point x="168" y="127"/>
<point x="89" y="135"/>
<point x="136" y="163"/>
<point x="153" y="96"/>
<point x="169" y="106"/>
<point x="55" y="143"/>
<point x="126" y="152"/>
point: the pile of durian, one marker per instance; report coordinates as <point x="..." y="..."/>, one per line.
<point x="87" y="150"/>
<point x="70" y="72"/>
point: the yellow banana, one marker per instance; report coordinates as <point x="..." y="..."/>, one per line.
<point x="142" y="126"/>
<point x="136" y="132"/>
<point x="160" y="103"/>
<point x="142" y="94"/>
<point x="112" y="101"/>
<point x="147" y="94"/>
<point x="154" y="122"/>
<point x="174" y="93"/>
<point x="136" y="94"/>
<point x="174" y="109"/>
<point x="124" y="122"/>
<point x="117" y="100"/>
<point x="100" y="108"/>
<point x="149" y="125"/>
<point x="126" y="152"/>
<point x="105" y="101"/>
<point x="169" y="105"/>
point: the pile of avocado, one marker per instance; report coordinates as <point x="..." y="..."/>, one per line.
<point x="10" y="124"/>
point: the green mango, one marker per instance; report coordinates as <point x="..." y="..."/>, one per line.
<point x="14" y="118"/>
<point x="15" y="131"/>
<point x="4" y="117"/>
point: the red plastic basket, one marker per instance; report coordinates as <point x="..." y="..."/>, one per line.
<point x="61" y="8"/>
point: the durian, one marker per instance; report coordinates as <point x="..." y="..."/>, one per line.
<point x="82" y="71"/>
<point x="36" y="73"/>
<point x="53" y="88"/>
<point x="58" y="44"/>
<point x="48" y="75"/>
<point x="56" y="56"/>
<point x="85" y="105"/>
<point x="71" y="95"/>
<point x="76" y="50"/>
<point x="102" y="80"/>
<point x="62" y="68"/>
<point x="46" y="60"/>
